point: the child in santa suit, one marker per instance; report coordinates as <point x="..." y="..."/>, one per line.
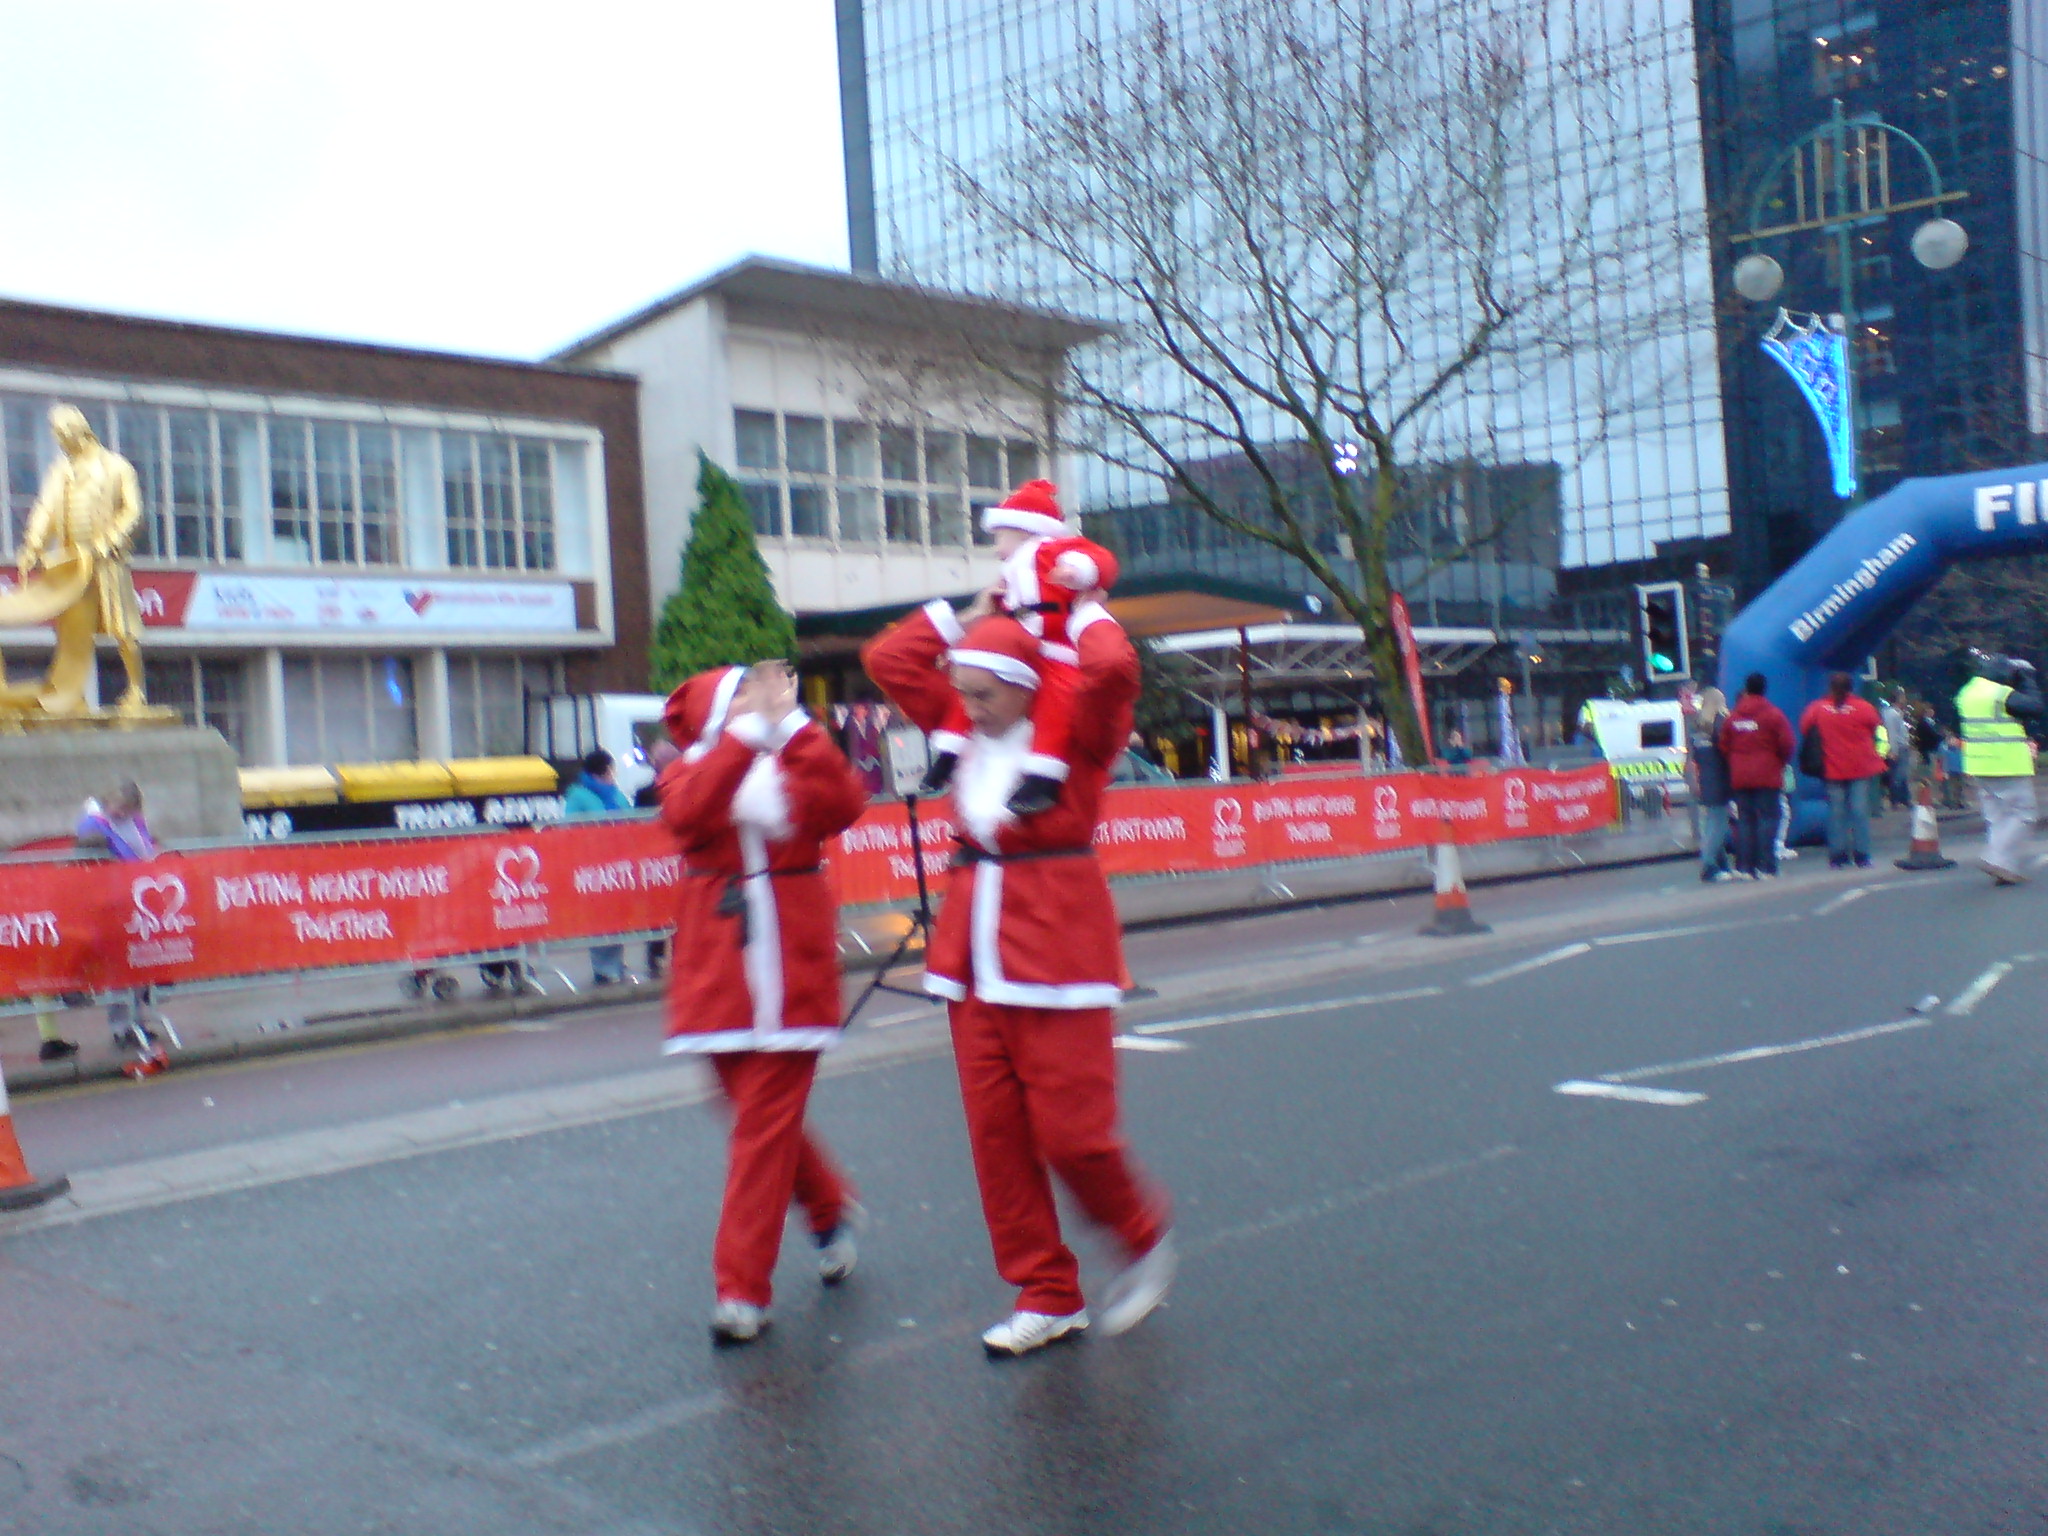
<point x="1047" y="568"/>
<point x="1027" y="951"/>
<point x="757" y="791"/>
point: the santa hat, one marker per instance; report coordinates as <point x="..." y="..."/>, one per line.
<point x="695" y="714"/>
<point x="1001" y="645"/>
<point x="1031" y="508"/>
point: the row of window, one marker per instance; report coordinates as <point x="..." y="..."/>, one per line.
<point x="350" y="709"/>
<point x="855" y="482"/>
<point x="330" y="492"/>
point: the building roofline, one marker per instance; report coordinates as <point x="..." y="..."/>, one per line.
<point x="770" y="279"/>
<point x="202" y="330"/>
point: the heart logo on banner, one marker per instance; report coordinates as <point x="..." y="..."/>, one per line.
<point x="159" y="906"/>
<point x="1515" y="796"/>
<point x="518" y="873"/>
<point x="1386" y="803"/>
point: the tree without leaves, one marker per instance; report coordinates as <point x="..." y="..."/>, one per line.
<point x="1360" y="223"/>
<point x="724" y="613"/>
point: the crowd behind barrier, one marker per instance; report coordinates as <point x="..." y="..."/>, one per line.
<point x="261" y="909"/>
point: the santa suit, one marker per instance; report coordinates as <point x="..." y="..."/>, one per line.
<point x="756" y="983"/>
<point x="1028" y="952"/>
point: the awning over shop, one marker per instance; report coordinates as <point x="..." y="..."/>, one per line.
<point x="1216" y="661"/>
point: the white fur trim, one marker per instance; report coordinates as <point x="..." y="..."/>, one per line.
<point x="1045" y="767"/>
<point x="1054" y="651"/>
<point x="797" y="1037"/>
<point x="986" y="778"/>
<point x="762" y="800"/>
<point x="945" y="986"/>
<point x="749" y="730"/>
<point x="1085" y="614"/>
<point x="1041" y="523"/>
<point x="787" y="727"/>
<point x="1020" y="673"/>
<point x="1076" y="571"/>
<point x="948" y="741"/>
<point x="714" y="723"/>
<point x="1020" y="578"/>
<point x="763" y="954"/>
<point x="945" y="621"/>
<point x="991" y="985"/>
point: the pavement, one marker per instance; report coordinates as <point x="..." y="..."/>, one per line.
<point x="1770" y="1265"/>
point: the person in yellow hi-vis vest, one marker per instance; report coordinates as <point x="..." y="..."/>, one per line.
<point x="1993" y="706"/>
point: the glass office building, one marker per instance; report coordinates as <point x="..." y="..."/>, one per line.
<point x="1950" y="370"/>
<point x="930" y="85"/>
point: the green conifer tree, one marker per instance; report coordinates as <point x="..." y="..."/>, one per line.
<point x="724" y="613"/>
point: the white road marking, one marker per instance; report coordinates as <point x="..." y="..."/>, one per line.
<point x="1979" y="989"/>
<point x="601" y="1437"/>
<point x="1856" y="893"/>
<point x="1138" y="1043"/>
<point x="1286" y="1011"/>
<point x="1763" y="1052"/>
<point x="1690" y="931"/>
<point x="1667" y="1096"/>
<point x="1548" y="957"/>
<point x="1330" y="1205"/>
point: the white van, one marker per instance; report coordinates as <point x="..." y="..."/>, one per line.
<point x="563" y="727"/>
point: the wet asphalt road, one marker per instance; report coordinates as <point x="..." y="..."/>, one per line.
<point x="1423" y="1291"/>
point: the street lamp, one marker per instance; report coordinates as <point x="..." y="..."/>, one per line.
<point x="1841" y="178"/>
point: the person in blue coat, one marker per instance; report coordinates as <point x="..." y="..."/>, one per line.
<point x="597" y="793"/>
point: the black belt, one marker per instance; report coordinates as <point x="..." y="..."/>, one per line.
<point x="732" y="901"/>
<point x="974" y="853"/>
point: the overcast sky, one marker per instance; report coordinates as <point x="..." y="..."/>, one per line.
<point x="458" y="174"/>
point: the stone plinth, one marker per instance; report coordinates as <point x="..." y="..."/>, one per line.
<point x="188" y="778"/>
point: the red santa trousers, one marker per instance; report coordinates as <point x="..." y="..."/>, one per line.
<point x="1039" y="1085"/>
<point x="773" y="1159"/>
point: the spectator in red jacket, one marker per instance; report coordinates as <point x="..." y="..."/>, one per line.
<point x="1757" y="740"/>
<point x="1848" y="729"/>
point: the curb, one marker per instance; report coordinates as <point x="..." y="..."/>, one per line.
<point x="450" y="1018"/>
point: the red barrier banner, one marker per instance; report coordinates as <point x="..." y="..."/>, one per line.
<point x="279" y="907"/>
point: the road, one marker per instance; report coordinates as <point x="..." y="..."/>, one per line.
<point x="1787" y="1282"/>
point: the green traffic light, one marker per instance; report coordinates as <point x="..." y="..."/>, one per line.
<point x="1662" y="663"/>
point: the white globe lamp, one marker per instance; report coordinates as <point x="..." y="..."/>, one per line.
<point x="1758" y="278"/>
<point x="1939" y="244"/>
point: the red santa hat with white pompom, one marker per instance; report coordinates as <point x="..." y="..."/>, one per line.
<point x="1033" y="507"/>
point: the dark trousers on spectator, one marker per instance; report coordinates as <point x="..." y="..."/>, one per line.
<point x="1756" y="831"/>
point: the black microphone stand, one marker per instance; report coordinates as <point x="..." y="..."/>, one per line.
<point x="920" y="927"/>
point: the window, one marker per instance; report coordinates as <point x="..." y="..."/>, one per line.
<point x="291" y="493"/>
<point x="487" y="701"/>
<point x="899" y="454"/>
<point x="860" y="515"/>
<point x="20" y="423"/>
<point x="805" y="439"/>
<point x="985" y="463"/>
<point x="498" y="496"/>
<point x="138" y="432"/>
<point x="754" y="435"/>
<point x="902" y="517"/>
<point x="808" y="515"/>
<point x="334" y="493"/>
<point x="349" y="709"/>
<point x="204" y="690"/>
<point x="377" y="494"/>
<point x="764" y="501"/>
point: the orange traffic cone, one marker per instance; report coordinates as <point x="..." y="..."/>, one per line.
<point x="1453" y="914"/>
<point x="19" y="1189"/>
<point x="1925" y="852"/>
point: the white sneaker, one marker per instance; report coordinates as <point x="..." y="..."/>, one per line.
<point x="1022" y="1332"/>
<point x="1139" y="1287"/>
<point x="837" y="1252"/>
<point x="737" y="1322"/>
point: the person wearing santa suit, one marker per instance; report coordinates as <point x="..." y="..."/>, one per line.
<point x="756" y="985"/>
<point x="1028" y="953"/>
<point x="1046" y="569"/>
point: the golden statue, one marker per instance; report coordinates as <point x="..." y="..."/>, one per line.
<point x="74" y="576"/>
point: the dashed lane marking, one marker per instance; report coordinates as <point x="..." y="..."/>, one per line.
<point x="1285" y="1011"/>
<point x="1141" y="1043"/>
<point x="1855" y="893"/>
<point x="1691" y="930"/>
<point x="1669" y="1097"/>
<point x="1979" y="989"/>
<point x="1536" y="963"/>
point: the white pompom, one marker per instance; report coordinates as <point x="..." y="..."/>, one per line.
<point x="1076" y="571"/>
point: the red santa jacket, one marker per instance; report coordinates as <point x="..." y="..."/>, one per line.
<point x="1028" y="919"/>
<point x="756" y="955"/>
<point x="1043" y="579"/>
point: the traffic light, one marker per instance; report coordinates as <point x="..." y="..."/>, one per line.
<point x="1660" y="616"/>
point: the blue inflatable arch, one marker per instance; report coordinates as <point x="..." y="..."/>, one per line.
<point x="1829" y="612"/>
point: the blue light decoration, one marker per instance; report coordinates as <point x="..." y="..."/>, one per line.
<point x="1815" y="352"/>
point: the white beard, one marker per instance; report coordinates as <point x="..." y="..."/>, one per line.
<point x="990" y="770"/>
<point x="762" y="800"/>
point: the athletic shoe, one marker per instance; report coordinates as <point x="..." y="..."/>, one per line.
<point x="1139" y="1287"/>
<point x="2000" y="873"/>
<point x="56" y="1050"/>
<point x="837" y="1252"/>
<point x="1863" y="862"/>
<point x="1022" y="1332"/>
<point x="737" y="1322"/>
